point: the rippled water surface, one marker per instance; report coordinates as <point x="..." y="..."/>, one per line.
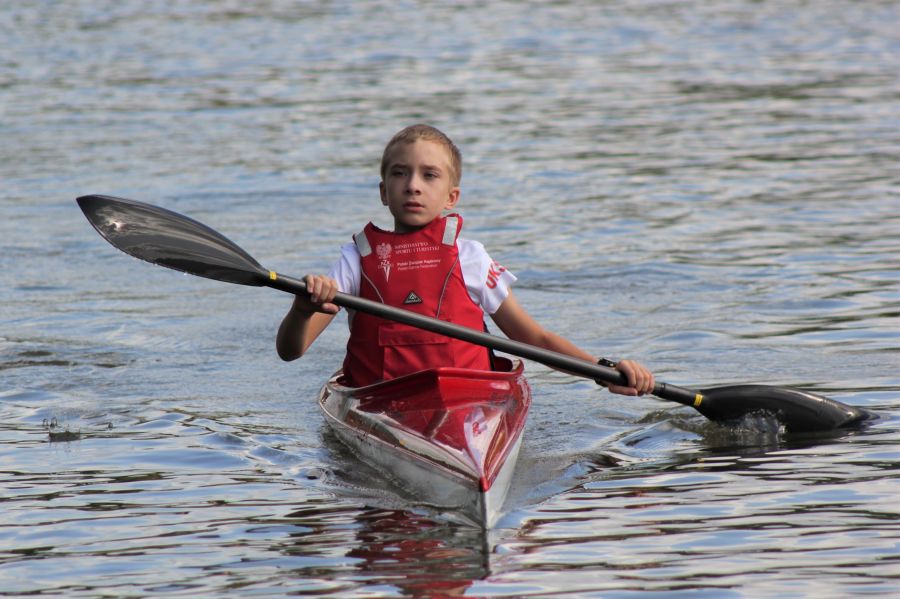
<point x="710" y="187"/>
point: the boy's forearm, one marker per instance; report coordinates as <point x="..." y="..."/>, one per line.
<point x="291" y="339"/>
<point x="560" y="344"/>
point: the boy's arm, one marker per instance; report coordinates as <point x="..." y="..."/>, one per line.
<point x="519" y="325"/>
<point x="307" y="318"/>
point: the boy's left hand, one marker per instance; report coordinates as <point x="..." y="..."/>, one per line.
<point x="640" y="379"/>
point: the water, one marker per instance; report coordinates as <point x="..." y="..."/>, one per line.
<point x="708" y="187"/>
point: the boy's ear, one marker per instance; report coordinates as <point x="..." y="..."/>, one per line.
<point x="383" y="193"/>
<point x="452" y="199"/>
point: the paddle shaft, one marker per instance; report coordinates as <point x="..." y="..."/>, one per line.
<point x="571" y="364"/>
<point x="169" y="239"/>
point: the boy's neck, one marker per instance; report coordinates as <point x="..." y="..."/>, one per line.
<point x="403" y="228"/>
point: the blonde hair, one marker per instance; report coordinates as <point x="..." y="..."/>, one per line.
<point x="428" y="133"/>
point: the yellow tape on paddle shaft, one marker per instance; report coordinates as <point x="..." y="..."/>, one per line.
<point x="698" y="399"/>
<point x="273" y="275"/>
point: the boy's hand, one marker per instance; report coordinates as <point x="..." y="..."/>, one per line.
<point x="321" y="290"/>
<point x="640" y="380"/>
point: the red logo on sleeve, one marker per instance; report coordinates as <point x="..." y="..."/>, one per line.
<point x="493" y="275"/>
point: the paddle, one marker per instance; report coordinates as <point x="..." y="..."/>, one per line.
<point x="175" y="241"/>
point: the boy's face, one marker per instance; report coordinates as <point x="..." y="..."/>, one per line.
<point x="418" y="184"/>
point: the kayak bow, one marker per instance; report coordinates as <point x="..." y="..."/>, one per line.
<point x="448" y="436"/>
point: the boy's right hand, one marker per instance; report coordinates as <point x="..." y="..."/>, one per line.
<point x="640" y="379"/>
<point x="321" y="290"/>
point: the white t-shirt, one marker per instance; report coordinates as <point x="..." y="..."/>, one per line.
<point x="486" y="281"/>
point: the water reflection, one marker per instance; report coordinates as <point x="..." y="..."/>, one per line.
<point x="416" y="556"/>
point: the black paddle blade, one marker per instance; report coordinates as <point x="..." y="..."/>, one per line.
<point x="169" y="239"/>
<point x="799" y="411"/>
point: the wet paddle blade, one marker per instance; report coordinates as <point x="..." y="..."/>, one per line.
<point x="169" y="239"/>
<point x="799" y="411"/>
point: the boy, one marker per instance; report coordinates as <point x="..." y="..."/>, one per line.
<point x="425" y="267"/>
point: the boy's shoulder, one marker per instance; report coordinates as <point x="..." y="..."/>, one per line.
<point x="462" y="240"/>
<point x="474" y="258"/>
<point x="470" y="246"/>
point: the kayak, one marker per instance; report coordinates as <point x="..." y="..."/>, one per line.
<point x="450" y="437"/>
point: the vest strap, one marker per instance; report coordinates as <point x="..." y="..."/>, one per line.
<point x="451" y="226"/>
<point x="362" y="243"/>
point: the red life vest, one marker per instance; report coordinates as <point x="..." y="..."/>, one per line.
<point x="420" y="272"/>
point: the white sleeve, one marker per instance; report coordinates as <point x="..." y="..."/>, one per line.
<point x="347" y="270"/>
<point x="486" y="281"/>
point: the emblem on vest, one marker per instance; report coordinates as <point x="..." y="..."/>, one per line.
<point x="383" y="250"/>
<point x="412" y="298"/>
